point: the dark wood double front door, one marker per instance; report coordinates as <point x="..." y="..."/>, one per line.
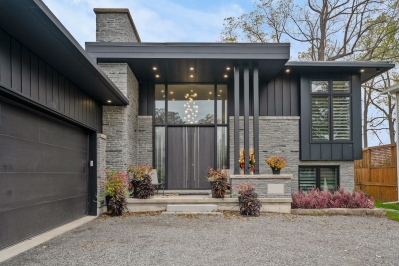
<point x="191" y="150"/>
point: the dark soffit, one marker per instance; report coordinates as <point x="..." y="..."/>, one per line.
<point x="35" y="26"/>
<point x="366" y="69"/>
<point x="208" y="60"/>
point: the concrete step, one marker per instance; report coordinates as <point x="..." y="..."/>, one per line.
<point x="197" y="208"/>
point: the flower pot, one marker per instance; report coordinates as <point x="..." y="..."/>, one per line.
<point x="218" y="195"/>
<point x="135" y="192"/>
<point x="241" y="171"/>
<point x="276" y="172"/>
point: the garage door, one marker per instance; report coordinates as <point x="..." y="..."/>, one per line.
<point x="43" y="173"/>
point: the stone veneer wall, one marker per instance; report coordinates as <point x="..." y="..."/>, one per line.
<point x="120" y="123"/>
<point x="101" y="164"/>
<point x="279" y="135"/>
<point x="145" y="149"/>
<point x="114" y="27"/>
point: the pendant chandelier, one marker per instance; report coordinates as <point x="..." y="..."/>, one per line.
<point x="191" y="108"/>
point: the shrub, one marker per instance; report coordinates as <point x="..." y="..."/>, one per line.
<point x="117" y="204"/>
<point x="317" y="199"/>
<point x="248" y="199"/>
<point x="140" y="184"/>
<point x="218" y="180"/>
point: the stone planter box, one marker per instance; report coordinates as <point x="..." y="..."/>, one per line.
<point x="339" y="211"/>
<point x="266" y="185"/>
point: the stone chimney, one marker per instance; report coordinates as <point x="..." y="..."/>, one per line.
<point x="115" y="25"/>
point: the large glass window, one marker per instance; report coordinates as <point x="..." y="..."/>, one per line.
<point x="222" y="148"/>
<point x="222" y="114"/>
<point x="322" y="177"/>
<point x="191" y="104"/>
<point x="159" y="104"/>
<point x="331" y="110"/>
<point x="160" y="152"/>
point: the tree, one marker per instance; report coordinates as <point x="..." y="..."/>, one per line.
<point x="333" y="30"/>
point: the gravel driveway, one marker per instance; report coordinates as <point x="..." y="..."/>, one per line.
<point x="272" y="239"/>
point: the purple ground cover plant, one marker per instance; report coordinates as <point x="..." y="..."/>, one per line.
<point x="317" y="199"/>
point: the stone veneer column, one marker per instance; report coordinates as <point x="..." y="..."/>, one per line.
<point x="101" y="164"/>
<point x="120" y="123"/>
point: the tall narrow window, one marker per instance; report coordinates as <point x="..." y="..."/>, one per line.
<point x="330" y="110"/>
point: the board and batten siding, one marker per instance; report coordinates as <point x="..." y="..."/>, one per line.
<point x="24" y="72"/>
<point x="331" y="150"/>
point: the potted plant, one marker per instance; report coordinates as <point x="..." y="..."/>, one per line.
<point x="218" y="180"/>
<point x="241" y="160"/>
<point x="115" y="189"/>
<point x="251" y="161"/>
<point x="276" y="163"/>
<point x="140" y="183"/>
<point x="247" y="199"/>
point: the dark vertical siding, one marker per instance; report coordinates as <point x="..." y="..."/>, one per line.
<point x="34" y="77"/>
<point x="143" y="98"/>
<point x="5" y="58"/>
<point x="16" y="70"/>
<point x="150" y="98"/>
<point x="24" y="72"/>
<point x="280" y="97"/>
<point x="334" y="150"/>
<point x="357" y="114"/>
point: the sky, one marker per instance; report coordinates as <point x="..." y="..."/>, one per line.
<point x="160" y="20"/>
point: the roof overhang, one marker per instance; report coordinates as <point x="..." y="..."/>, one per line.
<point x="366" y="69"/>
<point x="35" y="26"/>
<point x="393" y="89"/>
<point x="191" y="62"/>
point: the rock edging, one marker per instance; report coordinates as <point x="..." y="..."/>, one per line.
<point x="339" y="211"/>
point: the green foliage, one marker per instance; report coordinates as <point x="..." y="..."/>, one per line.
<point x="114" y="181"/>
<point x="393" y="215"/>
<point x="380" y="204"/>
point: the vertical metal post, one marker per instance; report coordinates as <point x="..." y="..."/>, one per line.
<point x="256" y="117"/>
<point x="236" y="119"/>
<point x="246" y="117"/>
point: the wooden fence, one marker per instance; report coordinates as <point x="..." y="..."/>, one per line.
<point x="376" y="173"/>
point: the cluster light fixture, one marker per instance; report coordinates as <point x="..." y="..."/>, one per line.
<point x="191" y="108"/>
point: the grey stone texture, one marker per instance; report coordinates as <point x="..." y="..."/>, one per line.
<point x="120" y="123"/>
<point x="145" y="149"/>
<point x="261" y="184"/>
<point x="101" y="164"/>
<point x="115" y="27"/>
<point x="279" y="135"/>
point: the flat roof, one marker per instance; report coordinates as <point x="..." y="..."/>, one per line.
<point x="367" y="69"/>
<point x="209" y="61"/>
<point x="35" y="26"/>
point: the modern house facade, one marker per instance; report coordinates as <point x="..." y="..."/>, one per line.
<point x="67" y="113"/>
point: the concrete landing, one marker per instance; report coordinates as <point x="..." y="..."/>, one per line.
<point x="193" y="213"/>
<point x="191" y="208"/>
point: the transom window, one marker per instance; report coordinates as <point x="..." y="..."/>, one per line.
<point x="331" y="110"/>
<point x="322" y="177"/>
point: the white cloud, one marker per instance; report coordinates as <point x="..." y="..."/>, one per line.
<point x="156" y="21"/>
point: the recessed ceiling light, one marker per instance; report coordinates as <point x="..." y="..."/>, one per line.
<point x="164" y="96"/>
<point x="225" y="76"/>
<point x="220" y="90"/>
<point x="210" y="92"/>
<point x="109" y="101"/>
<point x="154" y="68"/>
<point x="173" y="99"/>
<point x="171" y="92"/>
<point x="361" y="70"/>
<point x="227" y="68"/>
<point x="287" y="70"/>
<point x="191" y="76"/>
<point x="157" y="76"/>
<point x="161" y="90"/>
<point x="219" y="95"/>
<point x="191" y="68"/>
<point x="209" y="99"/>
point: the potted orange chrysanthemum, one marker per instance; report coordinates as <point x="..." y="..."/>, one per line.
<point x="276" y="163"/>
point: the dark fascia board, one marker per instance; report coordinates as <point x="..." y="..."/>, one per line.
<point x="367" y="69"/>
<point x="188" y="50"/>
<point x="35" y="26"/>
